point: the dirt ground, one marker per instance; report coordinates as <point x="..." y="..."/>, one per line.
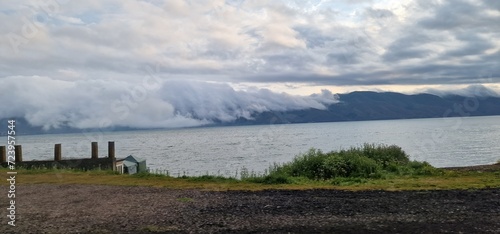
<point x="119" y="209"/>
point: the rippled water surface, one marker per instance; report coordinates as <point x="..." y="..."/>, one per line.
<point x="224" y="150"/>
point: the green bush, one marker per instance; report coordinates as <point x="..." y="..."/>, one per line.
<point x="348" y="164"/>
<point x="384" y="154"/>
<point x="368" y="161"/>
<point x="308" y="165"/>
<point x="422" y="168"/>
<point x="335" y="166"/>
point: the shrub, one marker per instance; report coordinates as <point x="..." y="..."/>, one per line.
<point x="422" y="168"/>
<point x="308" y="165"/>
<point x="335" y="166"/>
<point x="384" y="154"/>
<point x="369" y="161"/>
<point x="348" y="164"/>
<point x="362" y="166"/>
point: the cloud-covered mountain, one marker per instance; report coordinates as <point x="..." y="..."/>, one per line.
<point x="62" y="107"/>
<point x="159" y="64"/>
<point x="364" y="105"/>
<point x="51" y="104"/>
<point x="470" y="91"/>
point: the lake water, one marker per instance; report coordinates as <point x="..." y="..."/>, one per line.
<point x="443" y="142"/>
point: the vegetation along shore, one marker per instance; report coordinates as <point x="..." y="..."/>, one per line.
<point x="374" y="188"/>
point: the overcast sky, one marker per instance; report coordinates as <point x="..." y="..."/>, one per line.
<point x="107" y="48"/>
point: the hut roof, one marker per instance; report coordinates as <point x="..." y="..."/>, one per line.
<point x="133" y="159"/>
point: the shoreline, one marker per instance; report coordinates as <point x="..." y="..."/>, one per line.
<point x="484" y="167"/>
<point x="132" y="209"/>
<point x="77" y="202"/>
<point x="475" y="177"/>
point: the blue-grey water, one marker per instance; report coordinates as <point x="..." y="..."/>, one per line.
<point x="443" y="142"/>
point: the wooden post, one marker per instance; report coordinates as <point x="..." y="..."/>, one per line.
<point x="19" y="153"/>
<point x="111" y="149"/>
<point x="94" y="150"/>
<point x="3" y="154"/>
<point x="57" y="152"/>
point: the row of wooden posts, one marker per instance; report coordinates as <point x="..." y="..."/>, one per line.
<point x="57" y="152"/>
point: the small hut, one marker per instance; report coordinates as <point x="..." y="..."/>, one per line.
<point x="131" y="165"/>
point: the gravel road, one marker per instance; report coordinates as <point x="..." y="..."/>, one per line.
<point x="49" y="208"/>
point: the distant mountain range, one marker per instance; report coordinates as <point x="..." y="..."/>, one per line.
<point x="358" y="106"/>
<point x="355" y="106"/>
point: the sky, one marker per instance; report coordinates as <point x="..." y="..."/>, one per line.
<point x="187" y="63"/>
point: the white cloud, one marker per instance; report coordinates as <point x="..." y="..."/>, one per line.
<point x="469" y="91"/>
<point x="106" y="44"/>
<point x="52" y="103"/>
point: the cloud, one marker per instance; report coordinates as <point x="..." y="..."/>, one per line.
<point x="340" y="43"/>
<point x="457" y="15"/>
<point x="52" y="103"/>
<point x="469" y="91"/>
<point x="378" y="13"/>
<point x="471" y="45"/>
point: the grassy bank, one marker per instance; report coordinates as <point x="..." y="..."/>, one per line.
<point x="449" y="180"/>
<point x="363" y="168"/>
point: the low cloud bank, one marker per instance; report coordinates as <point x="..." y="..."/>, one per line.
<point x="52" y="103"/>
<point x="469" y="91"/>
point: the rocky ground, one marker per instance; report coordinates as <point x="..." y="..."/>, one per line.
<point x="119" y="209"/>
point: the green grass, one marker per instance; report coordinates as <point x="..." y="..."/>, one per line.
<point x="447" y="180"/>
<point x="362" y="168"/>
<point x="184" y="199"/>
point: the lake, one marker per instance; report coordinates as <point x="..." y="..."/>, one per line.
<point x="443" y="142"/>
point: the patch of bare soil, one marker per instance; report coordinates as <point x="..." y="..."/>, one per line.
<point x="118" y="209"/>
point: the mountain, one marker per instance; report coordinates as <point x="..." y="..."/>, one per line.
<point x="22" y="127"/>
<point x="355" y="106"/>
